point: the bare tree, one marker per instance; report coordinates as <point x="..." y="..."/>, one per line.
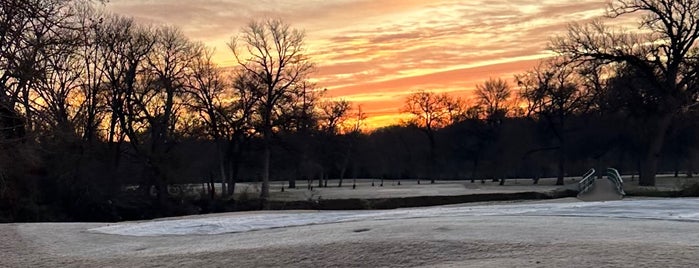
<point x="207" y="88"/>
<point x="493" y="95"/>
<point x="554" y="92"/>
<point x="494" y="98"/>
<point x="430" y="112"/>
<point x="298" y="110"/>
<point x="27" y="29"/>
<point x="154" y="104"/>
<point x="225" y="106"/>
<point x="40" y="104"/>
<point x="299" y="116"/>
<point x="239" y="120"/>
<point x="333" y="115"/>
<point x="357" y="121"/>
<point x="273" y="53"/>
<point x="664" y="52"/>
<point x="457" y="110"/>
<point x="335" y="148"/>
<point x="57" y="89"/>
<point x="90" y="54"/>
<point x="124" y="47"/>
<point x="353" y="132"/>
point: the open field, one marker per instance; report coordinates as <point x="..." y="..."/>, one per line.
<point x="634" y="232"/>
<point x="390" y="188"/>
<point x="559" y="233"/>
<point x="372" y="194"/>
<point x="410" y="188"/>
<point x="407" y="188"/>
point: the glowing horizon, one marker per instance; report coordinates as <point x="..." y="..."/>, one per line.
<point x="375" y="52"/>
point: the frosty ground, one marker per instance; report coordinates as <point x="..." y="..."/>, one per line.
<point x="410" y="188"/>
<point x="558" y="233"/>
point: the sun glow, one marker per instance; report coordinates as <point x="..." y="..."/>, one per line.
<point x="374" y="53"/>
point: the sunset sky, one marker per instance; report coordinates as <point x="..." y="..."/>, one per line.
<point x="375" y="52"/>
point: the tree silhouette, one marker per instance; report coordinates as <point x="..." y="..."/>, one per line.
<point x="431" y="111"/>
<point x="276" y="59"/>
<point x="335" y="147"/>
<point x="664" y="53"/>
<point x="154" y="102"/>
<point x="554" y="94"/>
<point x="333" y="114"/>
<point x="493" y="95"/>
<point x="29" y="30"/>
<point x="207" y="89"/>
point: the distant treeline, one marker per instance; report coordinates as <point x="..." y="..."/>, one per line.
<point x="92" y="102"/>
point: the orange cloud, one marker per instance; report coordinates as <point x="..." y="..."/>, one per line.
<point x="374" y="52"/>
<point x="381" y="100"/>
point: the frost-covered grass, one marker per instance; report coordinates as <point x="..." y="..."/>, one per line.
<point x="681" y="209"/>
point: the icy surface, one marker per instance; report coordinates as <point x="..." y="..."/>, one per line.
<point x="684" y="209"/>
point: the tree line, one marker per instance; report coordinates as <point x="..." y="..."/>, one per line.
<point x="95" y="103"/>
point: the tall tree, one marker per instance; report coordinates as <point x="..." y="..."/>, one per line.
<point x="125" y="47"/>
<point x="299" y="117"/>
<point x="494" y="98"/>
<point x="334" y="148"/>
<point x="273" y="53"/>
<point x="239" y="120"/>
<point x="353" y="133"/>
<point x="664" y="51"/>
<point x="554" y="93"/>
<point x="206" y="87"/>
<point x="430" y="111"/>
<point x="153" y="106"/>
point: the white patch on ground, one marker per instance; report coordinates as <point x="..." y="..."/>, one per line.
<point x="683" y="209"/>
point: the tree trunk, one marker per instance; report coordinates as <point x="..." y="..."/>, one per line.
<point x="345" y="163"/>
<point x="222" y="169"/>
<point x="160" y="184"/>
<point x="474" y="169"/>
<point x="690" y="165"/>
<point x="264" y="193"/>
<point x="29" y="125"/>
<point x="430" y="135"/>
<point x="267" y="137"/>
<point x="560" y="134"/>
<point x="233" y="175"/>
<point x="320" y="179"/>
<point x="233" y="156"/>
<point x="560" y="180"/>
<point x="650" y="163"/>
<point x="639" y="170"/>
